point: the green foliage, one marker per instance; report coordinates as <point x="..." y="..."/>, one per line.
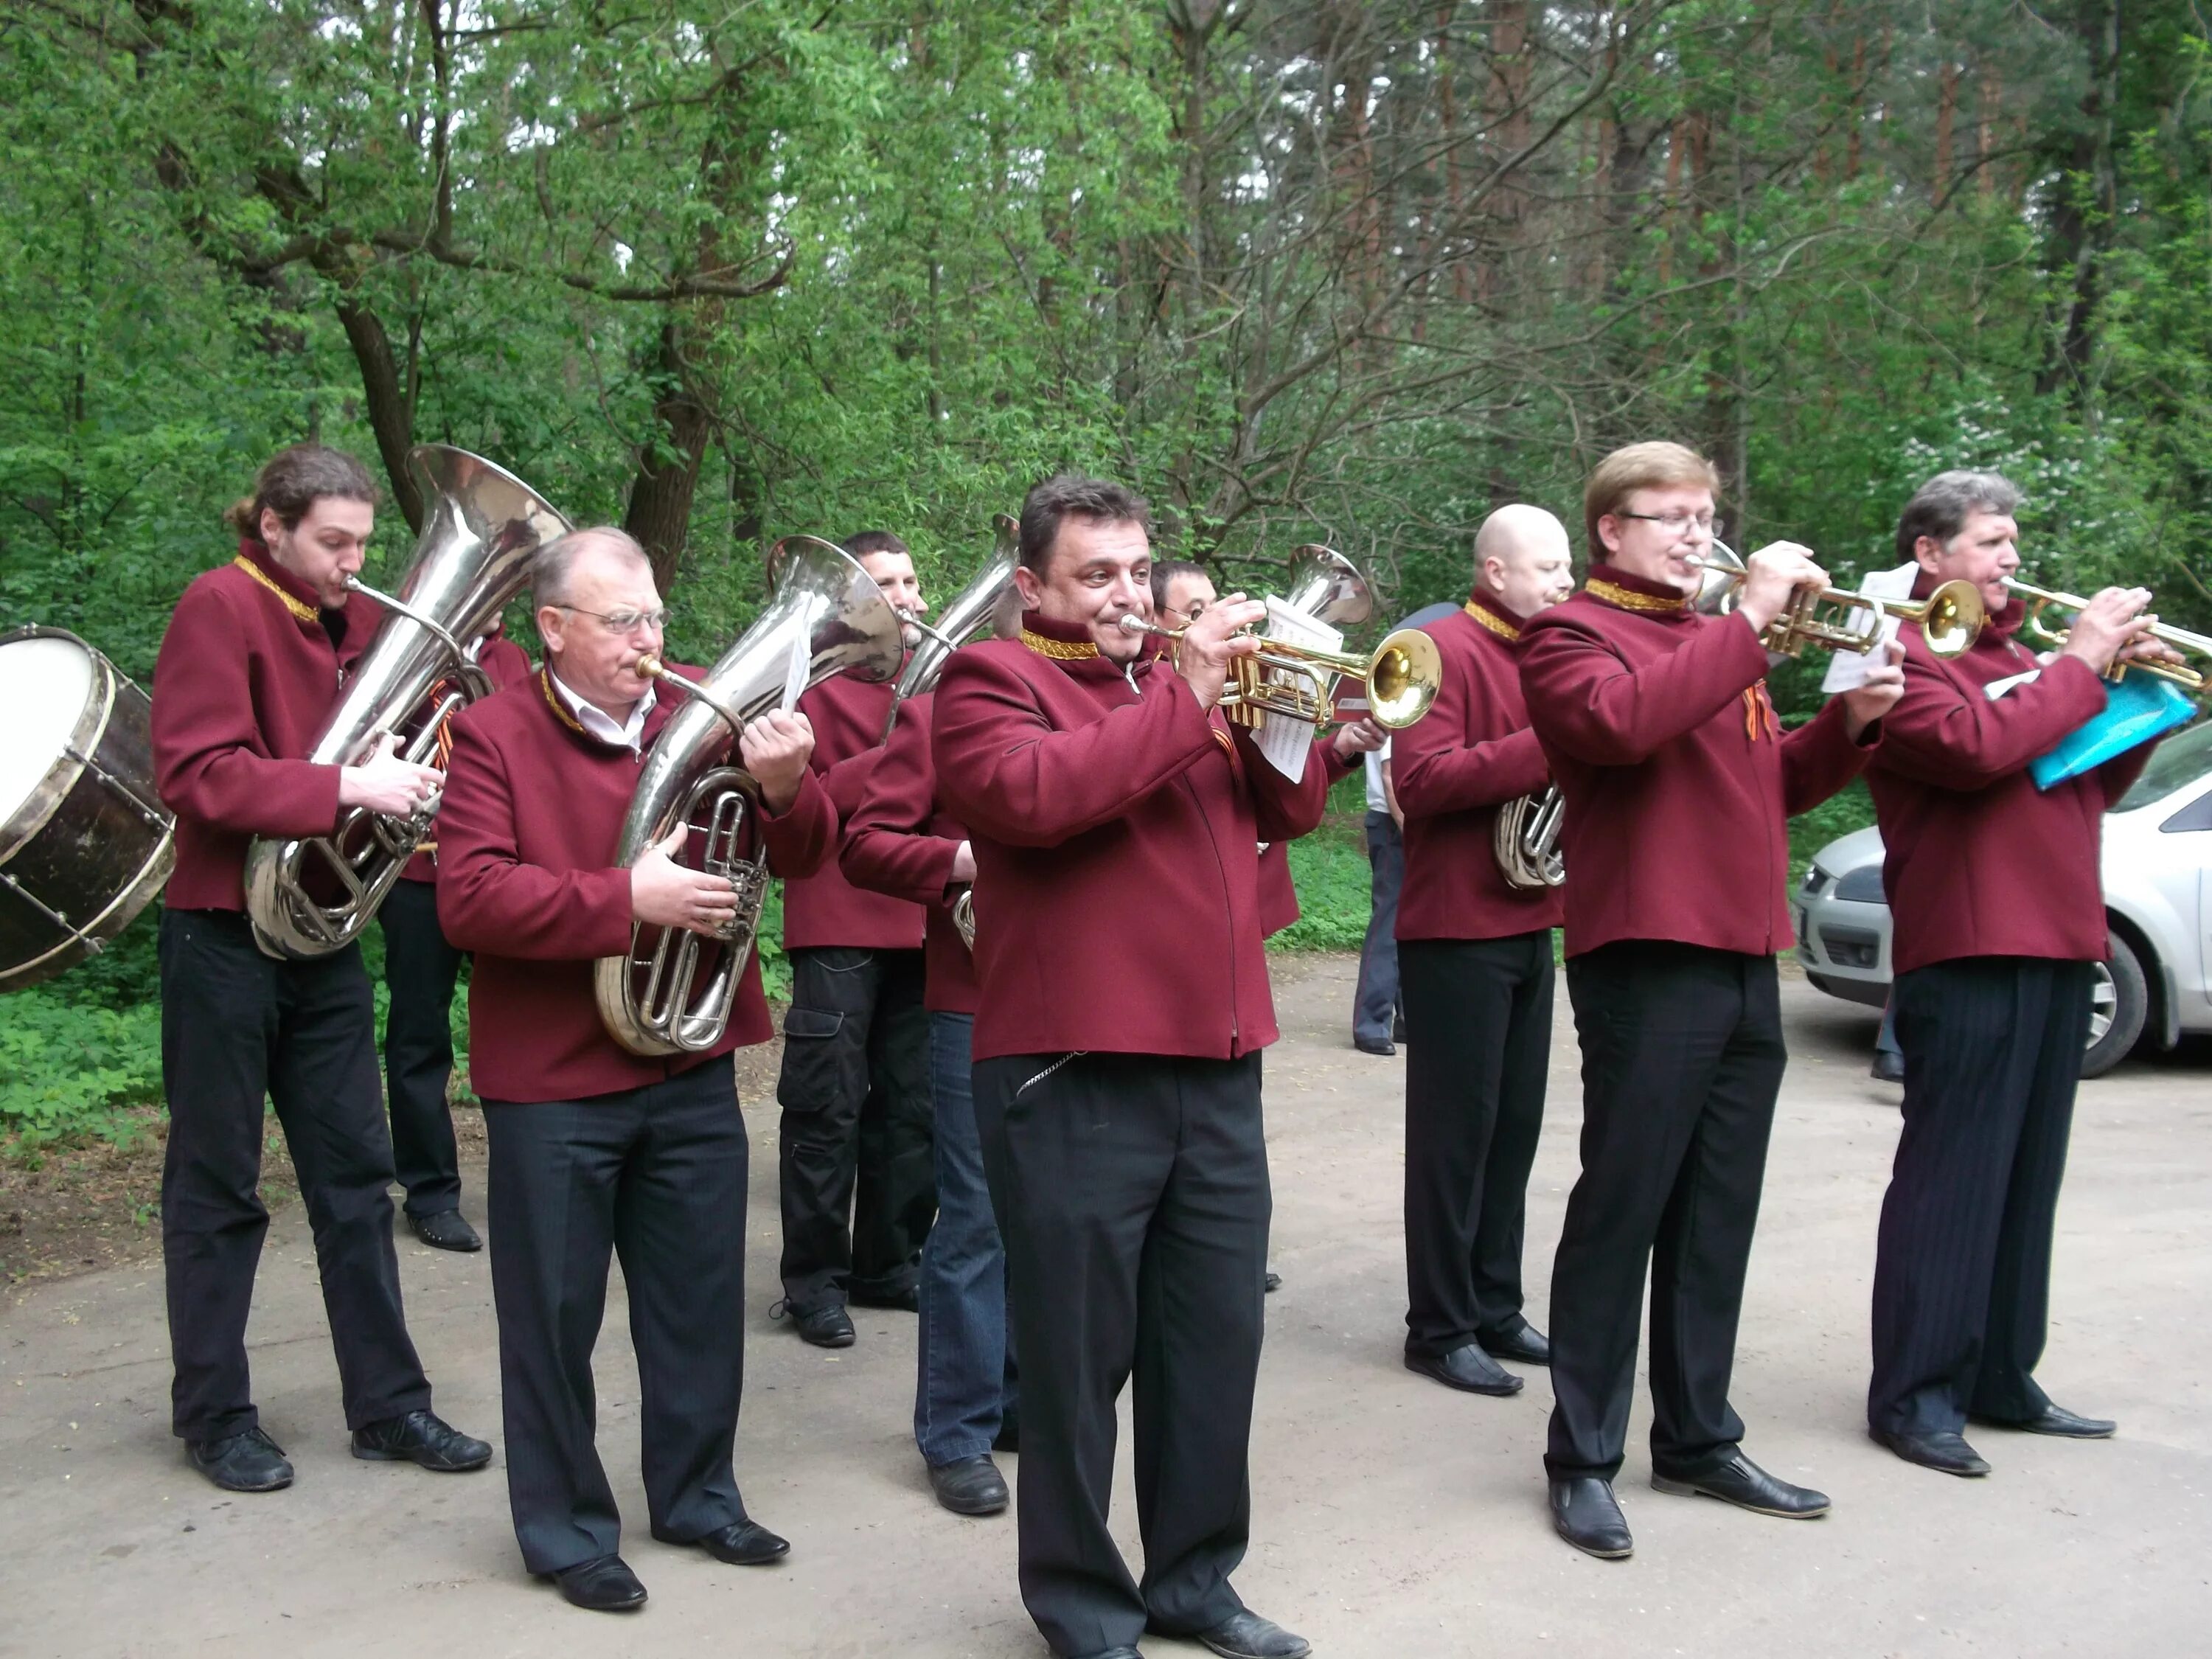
<point x="65" y="1067"/>
<point x="1331" y="874"/>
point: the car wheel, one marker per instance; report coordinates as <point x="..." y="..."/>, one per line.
<point x="2119" y="1002"/>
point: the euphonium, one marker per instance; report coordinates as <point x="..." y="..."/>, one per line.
<point x="1950" y="619"/>
<point x="827" y="617"/>
<point x="1525" y="840"/>
<point x="473" y="556"/>
<point x="1327" y="586"/>
<point x="963" y="619"/>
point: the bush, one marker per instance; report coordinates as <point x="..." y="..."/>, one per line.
<point x="66" y="1067"/>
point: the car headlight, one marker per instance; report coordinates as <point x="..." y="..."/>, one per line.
<point x="1814" y="876"/>
<point x="1862" y="886"/>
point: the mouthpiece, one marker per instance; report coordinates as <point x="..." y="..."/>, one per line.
<point x="1133" y="623"/>
<point x="647" y="667"/>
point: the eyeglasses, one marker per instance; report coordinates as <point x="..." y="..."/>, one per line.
<point x="624" y="621"/>
<point x="1674" y="523"/>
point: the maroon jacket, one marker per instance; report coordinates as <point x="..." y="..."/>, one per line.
<point x="1677" y="778"/>
<point x="503" y="662"/>
<point x="248" y="672"/>
<point x="1453" y="770"/>
<point x="899" y="839"/>
<point x="534" y="807"/>
<point x="1279" y="894"/>
<point x="1978" y="861"/>
<point x="1108" y="812"/>
<point x="824" y="908"/>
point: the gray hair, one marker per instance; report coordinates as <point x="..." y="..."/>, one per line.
<point x="1939" y="509"/>
<point x="553" y="565"/>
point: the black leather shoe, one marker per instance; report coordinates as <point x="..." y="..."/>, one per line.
<point x="828" y="1327"/>
<point x="1466" y="1367"/>
<point x="1886" y="1067"/>
<point x="1386" y="1049"/>
<point x="740" y="1544"/>
<point x="2057" y="1419"/>
<point x="1586" y="1514"/>
<point x="905" y="1301"/>
<point x="448" y="1230"/>
<point x="1273" y="1282"/>
<point x="1945" y="1451"/>
<point x="969" y="1486"/>
<point x="603" y="1584"/>
<point x="1245" y="1635"/>
<point x="1741" y="1482"/>
<point x="1528" y="1344"/>
<point x="248" y="1462"/>
<point x="424" y="1438"/>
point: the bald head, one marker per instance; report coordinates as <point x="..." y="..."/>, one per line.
<point x="1522" y="560"/>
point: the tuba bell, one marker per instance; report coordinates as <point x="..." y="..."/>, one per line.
<point x="963" y="619"/>
<point x="1327" y="586"/>
<point x="827" y="617"/>
<point x="484" y="526"/>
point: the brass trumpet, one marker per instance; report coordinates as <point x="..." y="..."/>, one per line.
<point x="2039" y="598"/>
<point x="1950" y="619"/>
<point x="1401" y="675"/>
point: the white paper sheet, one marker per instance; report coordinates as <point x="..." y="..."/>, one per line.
<point x="795" y="671"/>
<point x="1848" y="669"/>
<point x="1284" y="742"/>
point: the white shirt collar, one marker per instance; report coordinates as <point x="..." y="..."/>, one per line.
<point x="600" y="724"/>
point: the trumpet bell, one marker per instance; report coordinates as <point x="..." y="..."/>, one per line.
<point x="1403" y="677"/>
<point x="1952" y="618"/>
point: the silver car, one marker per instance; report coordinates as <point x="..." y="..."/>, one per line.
<point x="2158" y="898"/>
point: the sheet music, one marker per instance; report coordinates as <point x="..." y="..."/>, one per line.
<point x="795" y="671"/>
<point x="1848" y="669"/>
<point x="1284" y="742"/>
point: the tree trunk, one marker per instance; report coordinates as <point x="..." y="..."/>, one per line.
<point x="659" y="514"/>
<point x="2082" y="221"/>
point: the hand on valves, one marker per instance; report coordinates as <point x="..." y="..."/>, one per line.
<point x="671" y="895"/>
<point x="1213" y="642"/>
<point x="385" y="783"/>
<point x="1768" y="577"/>
<point x="2113" y="627"/>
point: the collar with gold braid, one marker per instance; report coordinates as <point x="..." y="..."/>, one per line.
<point x="1490" y="620"/>
<point x="1060" y="650"/>
<point x="299" y="608"/>
<point x="553" y="702"/>
<point x="1625" y="599"/>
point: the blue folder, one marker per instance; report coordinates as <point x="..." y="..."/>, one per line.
<point x="2137" y="710"/>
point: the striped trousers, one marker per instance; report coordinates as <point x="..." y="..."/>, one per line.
<point x="1962" y="1274"/>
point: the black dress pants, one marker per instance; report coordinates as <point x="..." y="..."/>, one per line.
<point x="1682" y="1058"/>
<point x="1962" y="1274"/>
<point x="239" y="1028"/>
<point x="856" y="1166"/>
<point x="420" y="971"/>
<point x="658" y="1174"/>
<point x="1478" y="1026"/>
<point x="1132" y="1190"/>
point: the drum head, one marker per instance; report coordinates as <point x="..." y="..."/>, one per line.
<point x="45" y="681"/>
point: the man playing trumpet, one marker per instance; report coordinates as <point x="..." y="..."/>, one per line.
<point x="593" y="1149"/>
<point x="1117" y="1083"/>
<point x="1475" y="965"/>
<point x="1997" y="913"/>
<point x="1677" y="778"/>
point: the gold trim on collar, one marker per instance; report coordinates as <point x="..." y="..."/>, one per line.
<point x="560" y="709"/>
<point x="1060" y="650"/>
<point x="1650" y="604"/>
<point x="305" y="612"/>
<point x="1497" y="624"/>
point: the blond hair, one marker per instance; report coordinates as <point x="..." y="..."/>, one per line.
<point x="1657" y="466"/>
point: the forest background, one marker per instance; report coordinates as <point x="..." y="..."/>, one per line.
<point x="1346" y="270"/>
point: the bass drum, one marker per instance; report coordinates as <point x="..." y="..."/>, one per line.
<point x="85" y="843"/>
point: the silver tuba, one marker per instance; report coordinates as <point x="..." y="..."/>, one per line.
<point x="1327" y="586"/>
<point x="473" y="556"/>
<point x="965" y="618"/>
<point x="1525" y="839"/>
<point x="827" y="617"/>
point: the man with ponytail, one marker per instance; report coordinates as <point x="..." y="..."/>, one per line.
<point x="248" y="670"/>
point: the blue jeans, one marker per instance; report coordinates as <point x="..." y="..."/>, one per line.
<point x="1377" y="1007"/>
<point x="964" y="1381"/>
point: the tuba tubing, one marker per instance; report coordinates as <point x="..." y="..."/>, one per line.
<point x="651" y="1000"/>
<point x="483" y="528"/>
<point x="1525" y="841"/>
<point x="967" y="616"/>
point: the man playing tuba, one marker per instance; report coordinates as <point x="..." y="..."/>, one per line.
<point x="593" y="1148"/>
<point x="1474" y="967"/>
